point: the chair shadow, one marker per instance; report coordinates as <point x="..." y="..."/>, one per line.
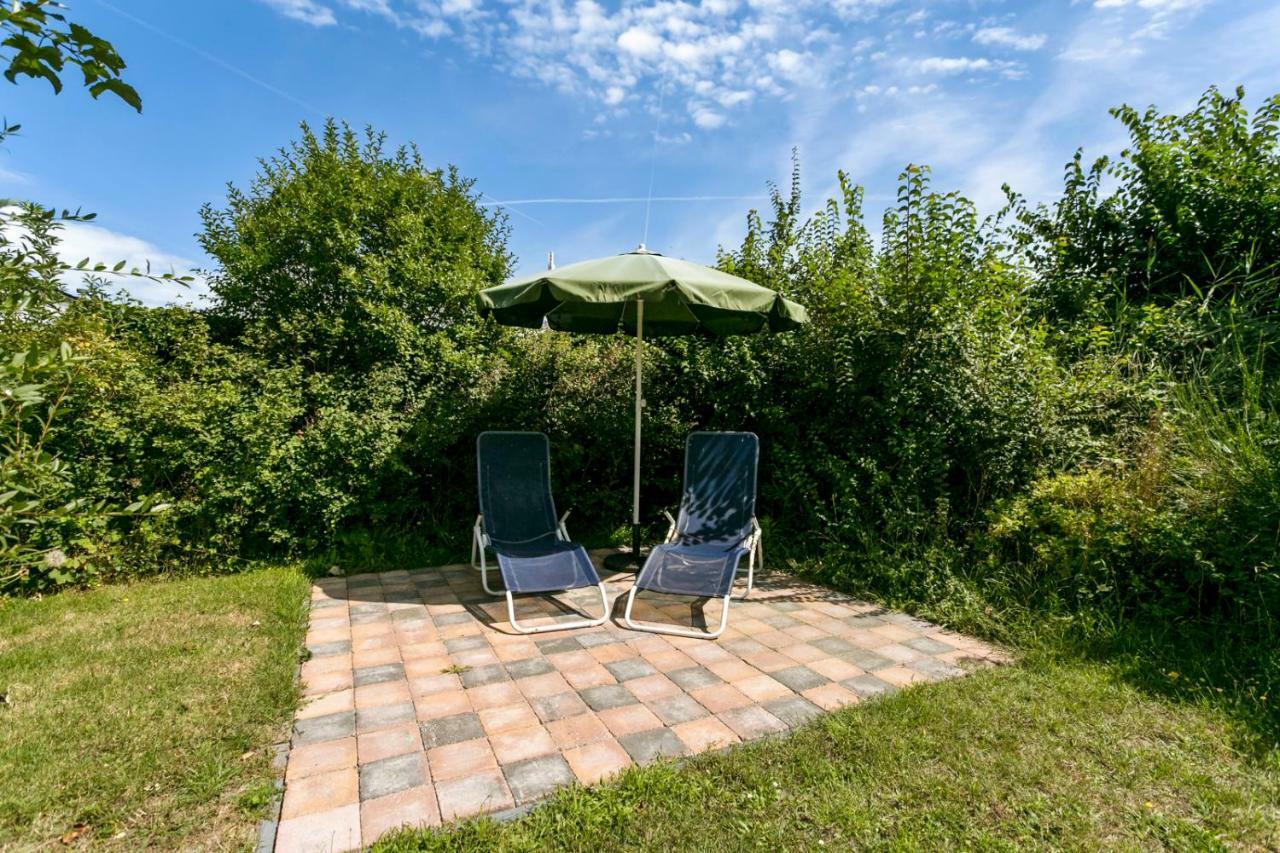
<point x="372" y="594"/>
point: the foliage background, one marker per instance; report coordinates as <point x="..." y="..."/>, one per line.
<point x="1061" y="418"/>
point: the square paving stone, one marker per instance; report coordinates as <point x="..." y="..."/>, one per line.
<point x="935" y="668"/>
<point x="628" y="668"/>
<point x="928" y="645"/>
<point x="327" y="727"/>
<point x="794" y="710"/>
<point x="607" y="696"/>
<point x="864" y="621"/>
<point x="367" y="617"/>
<point x="599" y="638"/>
<point x="680" y="708"/>
<point x="467" y="795"/>
<point x="368" y="607"/>
<point x="752" y="722"/>
<point x="533" y="780"/>
<point x="324" y="650"/>
<point x="835" y="646"/>
<point x="906" y="620"/>
<point x="390" y="775"/>
<point x="869" y="660"/>
<point x="644" y="747"/>
<point x="743" y="646"/>
<point x="868" y="686"/>
<point x="372" y="719"/>
<point x="453" y="619"/>
<point x="560" y="644"/>
<point x="529" y="667"/>
<point x="559" y="706"/>
<point x="452" y="729"/>
<point x="799" y="678"/>
<point x="779" y="621"/>
<point x="378" y="674"/>
<point x="479" y="676"/>
<point x="691" y="678"/>
<point x="465" y="644"/>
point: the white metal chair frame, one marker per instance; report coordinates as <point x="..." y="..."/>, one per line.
<point x="755" y="550"/>
<point x="480" y="541"/>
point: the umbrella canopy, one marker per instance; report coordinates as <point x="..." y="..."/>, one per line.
<point x="640" y="292"/>
<point x="680" y="298"/>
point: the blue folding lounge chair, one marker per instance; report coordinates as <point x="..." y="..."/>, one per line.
<point x="716" y="528"/>
<point x="517" y="521"/>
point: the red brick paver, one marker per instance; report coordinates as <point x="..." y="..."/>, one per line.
<point x="421" y="705"/>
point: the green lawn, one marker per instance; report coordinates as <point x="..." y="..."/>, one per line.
<point x="1041" y="754"/>
<point x="141" y="715"/>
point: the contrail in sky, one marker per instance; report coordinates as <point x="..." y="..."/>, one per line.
<point x="209" y="57"/>
<point x="627" y="199"/>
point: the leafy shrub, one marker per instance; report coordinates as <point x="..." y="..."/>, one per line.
<point x="343" y="256"/>
<point x="915" y="396"/>
<point x="1192" y="198"/>
<point x="1189" y="528"/>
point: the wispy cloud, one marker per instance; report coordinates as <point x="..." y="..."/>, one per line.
<point x="954" y="64"/>
<point x="621" y="199"/>
<point x="713" y="56"/>
<point x="307" y="11"/>
<point x="1008" y="37"/>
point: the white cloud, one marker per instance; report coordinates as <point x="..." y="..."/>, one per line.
<point x="638" y="41"/>
<point x="719" y="55"/>
<point x="953" y="64"/>
<point x="1154" y="19"/>
<point x="79" y="240"/>
<point x="1007" y="37"/>
<point x="707" y="119"/>
<point x="788" y="64"/>
<point x="307" y="11"/>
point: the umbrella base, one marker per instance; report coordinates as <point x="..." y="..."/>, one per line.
<point x="625" y="561"/>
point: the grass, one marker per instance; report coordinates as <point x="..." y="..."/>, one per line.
<point x="141" y="715"/>
<point x="1047" y="753"/>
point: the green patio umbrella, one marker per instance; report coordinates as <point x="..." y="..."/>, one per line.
<point x="640" y="292"/>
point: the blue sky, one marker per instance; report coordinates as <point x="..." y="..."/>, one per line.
<point x="586" y="99"/>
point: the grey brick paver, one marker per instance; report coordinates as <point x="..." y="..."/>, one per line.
<point x="452" y="729"/>
<point x="607" y="696"/>
<point x="533" y="780"/>
<point x="799" y="678"/>
<point x="391" y="775"/>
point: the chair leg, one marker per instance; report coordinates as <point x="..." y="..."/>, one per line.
<point x="751" y="573"/>
<point x="484" y="575"/>
<point x="477" y="548"/>
<point x="672" y="629"/>
<point x="559" y="626"/>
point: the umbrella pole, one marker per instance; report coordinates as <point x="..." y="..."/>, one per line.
<point x="635" y="493"/>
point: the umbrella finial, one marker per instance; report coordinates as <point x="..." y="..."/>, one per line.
<point x="551" y="260"/>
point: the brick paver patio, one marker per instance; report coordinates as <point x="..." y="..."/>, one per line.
<point x="423" y="706"/>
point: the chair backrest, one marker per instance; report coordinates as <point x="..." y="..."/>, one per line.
<point x="514" y="471"/>
<point x="719" y="497"/>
